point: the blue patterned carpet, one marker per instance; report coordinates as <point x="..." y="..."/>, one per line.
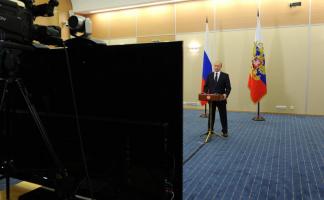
<point x="280" y="158"/>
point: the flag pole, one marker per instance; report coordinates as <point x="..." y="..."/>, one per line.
<point x="204" y="115"/>
<point x="207" y="67"/>
<point x="258" y="117"/>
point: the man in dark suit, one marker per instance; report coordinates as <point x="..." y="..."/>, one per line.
<point x="218" y="82"/>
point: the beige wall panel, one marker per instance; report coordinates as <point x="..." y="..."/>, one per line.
<point x="191" y="16"/>
<point x="37" y="2"/>
<point x="101" y="25"/>
<point x="65" y="31"/>
<point x="192" y="66"/>
<point x="65" y="5"/>
<point x="123" y="24"/>
<point x="317" y="11"/>
<point x="156" y="20"/>
<point x="162" y="38"/>
<point x="316" y="80"/>
<point x="278" y="13"/>
<point x="234" y="14"/>
<point x="286" y="68"/>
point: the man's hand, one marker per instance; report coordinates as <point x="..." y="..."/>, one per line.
<point x="225" y="96"/>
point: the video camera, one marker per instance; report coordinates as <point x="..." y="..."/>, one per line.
<point x="17" y="23"/>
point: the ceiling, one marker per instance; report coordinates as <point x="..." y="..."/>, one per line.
<point x="85" y="6"/>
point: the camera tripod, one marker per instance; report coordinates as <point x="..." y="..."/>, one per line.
<point x="9" y="63"/>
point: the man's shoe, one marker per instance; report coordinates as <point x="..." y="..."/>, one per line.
<point x="225" y="135"/>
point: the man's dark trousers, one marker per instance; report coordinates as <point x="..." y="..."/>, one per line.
<point x="221" y="105"/>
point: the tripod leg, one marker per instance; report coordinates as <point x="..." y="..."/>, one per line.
<point x="3" y="96"/>
<point x="63" y="184"/>
<point x="7" y="183"/>
<point x="5" y="129"/>
<point x="39" y="124"/>
<point x="210" y="132"/>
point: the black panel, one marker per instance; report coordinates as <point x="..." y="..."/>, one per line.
<point x="129" y="100"/>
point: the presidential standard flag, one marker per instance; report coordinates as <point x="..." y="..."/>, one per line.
<point x="257" y="77"/>
<point x="207" y="66"/>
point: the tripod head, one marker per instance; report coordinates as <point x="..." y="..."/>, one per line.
<point x="10" y="57"/>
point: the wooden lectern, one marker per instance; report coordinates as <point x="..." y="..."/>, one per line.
<point x="210" y="98"/>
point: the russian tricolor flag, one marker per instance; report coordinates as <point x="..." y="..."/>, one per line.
<point x="207" y="66"/>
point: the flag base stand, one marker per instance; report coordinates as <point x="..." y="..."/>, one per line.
<point x="258" y="118"/>
<point x="204" y="115"/>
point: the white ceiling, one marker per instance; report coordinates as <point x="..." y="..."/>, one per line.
<point x="85" y="6"/>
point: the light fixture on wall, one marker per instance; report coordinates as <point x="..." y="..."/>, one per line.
<point x="194" y="46"/>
